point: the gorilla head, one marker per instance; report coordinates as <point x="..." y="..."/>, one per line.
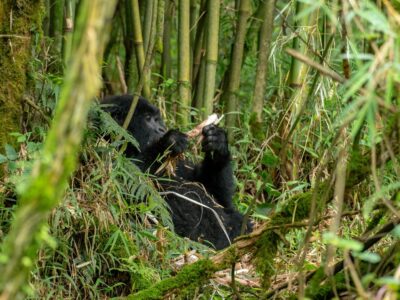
<point x="146" y="126"/>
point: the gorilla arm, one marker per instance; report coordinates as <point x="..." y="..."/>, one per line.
<point x="172" y="143"/>
<point x="215" y="171"/>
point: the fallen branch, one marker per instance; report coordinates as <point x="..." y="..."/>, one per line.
<point x="202" y="270"/>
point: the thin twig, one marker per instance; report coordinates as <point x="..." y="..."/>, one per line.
<point x="14" y="36"/>
<point x="320" y="68"/>
<point x="354" y="276"/>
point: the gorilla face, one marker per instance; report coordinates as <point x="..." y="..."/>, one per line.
<point x="147" y="126"/>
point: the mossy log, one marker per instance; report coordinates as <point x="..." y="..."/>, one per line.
<point x="261" y="244"/>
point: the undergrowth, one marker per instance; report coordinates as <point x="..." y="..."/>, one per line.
<point x="110" y="236"/>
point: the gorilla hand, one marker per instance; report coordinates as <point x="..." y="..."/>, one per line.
<point x="215" y="140"/>
<point x="175" y="141"/>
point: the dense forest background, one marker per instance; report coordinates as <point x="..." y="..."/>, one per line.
<point x="309" y="91"/>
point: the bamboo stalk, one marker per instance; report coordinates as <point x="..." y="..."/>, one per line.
<point x="160" y="25"/>
<point x="198" y="48"/>
<point x="146" y="68"/>
<point x="235" y="67"/>
<point x="199" y="96"/>
<point x="184" y="62"/>
<point x="51" y="173"/>
<point x="262" y="67"/>
<point x="139" y="48"/>
<point x="297" y="81"/>
<point x="298" y="70"/>
<point x="126" y="20"/>
<point x="68" y="30"/>
<point x="193" y="21"/>
<point x="213" y="7"/>
<point x="56" y="24"/>
<point x="192" y="29"/>
<point x="147" y="24"/>
<point x="166" y="53"/>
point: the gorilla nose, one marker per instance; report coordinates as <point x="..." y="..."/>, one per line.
<point x="162" y="130"/>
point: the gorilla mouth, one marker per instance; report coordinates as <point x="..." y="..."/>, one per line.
<point x="154" y="138"/>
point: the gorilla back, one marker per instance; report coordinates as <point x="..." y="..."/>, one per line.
<point x="209" y="182"/>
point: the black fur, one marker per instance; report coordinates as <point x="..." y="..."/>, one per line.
<point x="209" y="182"/>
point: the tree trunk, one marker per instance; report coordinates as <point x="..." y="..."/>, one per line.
<point x="15" y="41"/>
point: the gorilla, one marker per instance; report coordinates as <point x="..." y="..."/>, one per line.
<point x="199" y="195"/>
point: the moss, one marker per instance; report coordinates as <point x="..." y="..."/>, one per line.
<point x="265" y="254"/>
<point x="256" y="128"/>
<point x="318" y="288"/>
<point x="300" y="204"/>
<point x="187" y="280"/>
<point x="359" y="167"/>
<point x="142" y="276"/>
<point x="297" y="208"/>
<point x="14" y="58"/>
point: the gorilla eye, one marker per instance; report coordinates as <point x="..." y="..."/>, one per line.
<point x="148" y="118"/>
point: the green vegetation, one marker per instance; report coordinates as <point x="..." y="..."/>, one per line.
<point x="310" y="93"/>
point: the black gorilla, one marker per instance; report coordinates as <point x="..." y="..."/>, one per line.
<point x="210" y="182"/>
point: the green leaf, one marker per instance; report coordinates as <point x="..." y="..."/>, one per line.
<point x="3" y="159"/>
<point x="333" y="239"/>
<point x="367" y="256"/>
<point x="148" y="235"/>
<point x="390" y="281"/>
<point x="270" y="159"/>
<point x="10" y="152"/>
<point x="396" y="231"/>
<point x="20" y="137"/>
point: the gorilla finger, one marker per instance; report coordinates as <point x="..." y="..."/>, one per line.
<point x="182" y="143"/>
<point x="213" y="146"/>
<point x="209" y="140"/>
<point x="212" y="139"/>
<point x="208" y="129"/>
<point x="207" y="145"/>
